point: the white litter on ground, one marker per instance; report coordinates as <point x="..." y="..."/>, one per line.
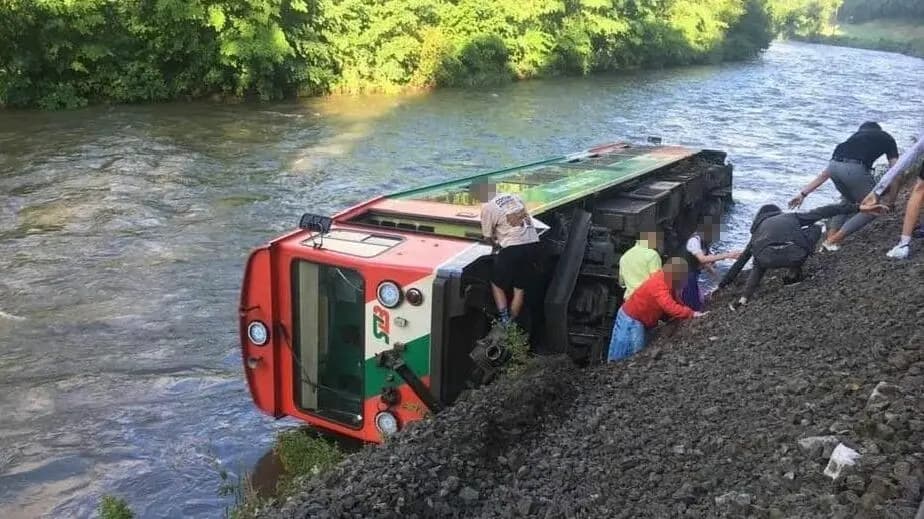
<point x="842" y="457"/>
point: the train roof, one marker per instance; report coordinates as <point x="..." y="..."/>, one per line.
<point x="450" y="209"/>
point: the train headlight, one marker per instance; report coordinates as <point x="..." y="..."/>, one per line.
<point x="257" y="333"/>
<point x="386" y="423"/>
<point x="389" y="294"/>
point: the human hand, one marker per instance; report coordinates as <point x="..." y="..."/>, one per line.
<point x="797" y="201"/>
<point x="735" y="254"/>
<point x="879" y="209"/>
<point x="871" y="204"/>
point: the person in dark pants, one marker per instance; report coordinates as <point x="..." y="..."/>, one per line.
<point x="850" y="169"/>
<point x="506" y="223"/>
<point x="781" y="240"/>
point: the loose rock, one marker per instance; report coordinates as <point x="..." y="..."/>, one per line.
<point x="690" y="428"/>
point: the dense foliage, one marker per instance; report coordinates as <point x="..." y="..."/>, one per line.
<point x="857" y="11"/>
<point x="804" y="18"/>
<point x="111" y="507"/>
<point x="66" y="53"/>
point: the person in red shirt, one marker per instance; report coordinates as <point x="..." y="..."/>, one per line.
<point x="650" y="302"/>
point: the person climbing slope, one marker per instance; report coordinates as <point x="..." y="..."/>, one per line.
<point x="781" y="240"/>
<point x="651" y="302"/>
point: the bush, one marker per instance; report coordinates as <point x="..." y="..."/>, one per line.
<point x="481" y="62"/>
<point x="517" y="341"/>
<point x="804" y="18"/>
<point x="305" y="454"/>
<point x="753" y="32"/>
<point x="114" y="508"/>
<point x="69" y="53"/>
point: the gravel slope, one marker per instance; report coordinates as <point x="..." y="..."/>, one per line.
<point x="705" y="422"/>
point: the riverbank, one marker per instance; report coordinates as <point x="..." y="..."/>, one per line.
<point x="706" y="422"/>
<point x="62" y="54"/>
<point x="901" y="36"/>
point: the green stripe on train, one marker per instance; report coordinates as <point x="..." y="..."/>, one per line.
<point x="417" y="357"/>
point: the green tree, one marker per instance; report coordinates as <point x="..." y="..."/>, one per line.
<point x="865" y="10"/>
<point x="68" y="53"/>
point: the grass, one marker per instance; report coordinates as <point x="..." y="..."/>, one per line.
<point x="901" y="36"/>
<point x="896" y="30"/>
<point x="303" y="455"/>
<point x="517" y="341"/>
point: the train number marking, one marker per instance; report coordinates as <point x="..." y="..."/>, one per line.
<point x="381" y="326"/>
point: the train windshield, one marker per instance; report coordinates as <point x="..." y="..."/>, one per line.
<point x="328" y="303"/>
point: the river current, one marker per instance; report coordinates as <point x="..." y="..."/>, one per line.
<point x="123" y="233"/>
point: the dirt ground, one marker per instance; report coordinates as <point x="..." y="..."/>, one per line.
<point x="705" y="422"/>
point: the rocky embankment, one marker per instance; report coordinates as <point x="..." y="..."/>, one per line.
<point x="735" y="415"/>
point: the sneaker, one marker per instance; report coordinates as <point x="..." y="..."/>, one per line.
<point x="830" y="247"/>
<point x="918" y="232"/>
<point x="899" y="252"/>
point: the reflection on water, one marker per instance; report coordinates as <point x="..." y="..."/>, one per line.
<point x="123" y="232"/>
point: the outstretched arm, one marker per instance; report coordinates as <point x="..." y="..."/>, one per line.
<point x="695" y="247"/>
<point x="708" y="260"/>
<point x="487" y="226"/>
<point x="898" y="166"/>
<point x="825" y="211"/>
<point x="811" y="186"/>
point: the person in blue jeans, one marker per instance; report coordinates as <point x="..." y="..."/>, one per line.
<point x="650" y="302"/>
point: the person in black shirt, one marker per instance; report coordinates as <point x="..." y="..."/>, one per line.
<point x="850" y="170"/>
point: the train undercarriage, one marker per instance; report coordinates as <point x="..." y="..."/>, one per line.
<point x="572" y="306"/>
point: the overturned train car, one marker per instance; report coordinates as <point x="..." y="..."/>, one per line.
<point x="361" y="323"/>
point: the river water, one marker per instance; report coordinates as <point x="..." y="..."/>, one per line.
<point x="123" y="231"/>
